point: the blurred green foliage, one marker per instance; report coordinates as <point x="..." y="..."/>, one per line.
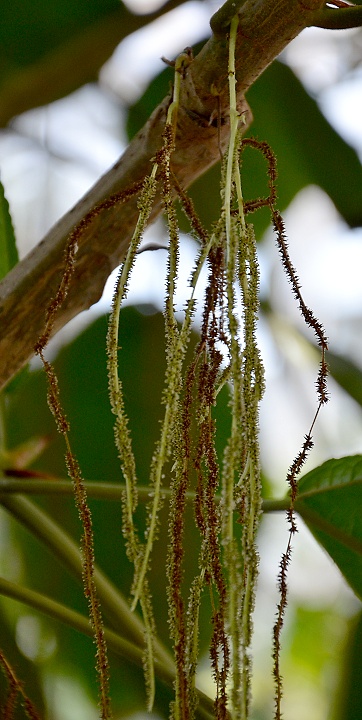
<point x="8" y="251"/>
<point x="49" y="49"/>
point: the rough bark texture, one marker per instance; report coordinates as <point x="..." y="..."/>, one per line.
<point x="265" y="28"/>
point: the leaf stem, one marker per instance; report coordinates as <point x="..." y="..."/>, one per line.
<point x="45" y="529"/>
<point x="99" y="490"/>
<point x="71" y="618"/>
<point x="129" y="650"/>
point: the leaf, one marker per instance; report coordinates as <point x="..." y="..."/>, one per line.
<point x="330" y="501"/>
<point x="308" y="149"/>
<point x="139" y="113"/>
<point x="8" y="251"/>
<point x="62" y="47"/>
<point x="346" y="374"/>
<point x="349" y="699"/>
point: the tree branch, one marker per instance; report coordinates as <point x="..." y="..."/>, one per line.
<point x="265" y="28"/>
<point x="339" y="19"/>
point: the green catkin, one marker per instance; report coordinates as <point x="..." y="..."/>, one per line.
<point x="176" y="343"/>
<point x="121" y="430"/>
<point x="241" y="489"/>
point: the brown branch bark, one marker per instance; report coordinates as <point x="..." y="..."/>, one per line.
<point x="265" y="28"/>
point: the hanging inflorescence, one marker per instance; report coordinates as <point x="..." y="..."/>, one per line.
<point x="227" y="505"/>
<point x="226" y="355"/>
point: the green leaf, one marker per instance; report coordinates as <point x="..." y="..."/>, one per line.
<point x="49" y="49"/>
<point x="308" y="149"/>
<point x="349" y="699"/>
<point x="346" y="374"/>
<point x="8" y="251"/>
<point x="330" y="501"/>
<point x="139" y="113"/>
